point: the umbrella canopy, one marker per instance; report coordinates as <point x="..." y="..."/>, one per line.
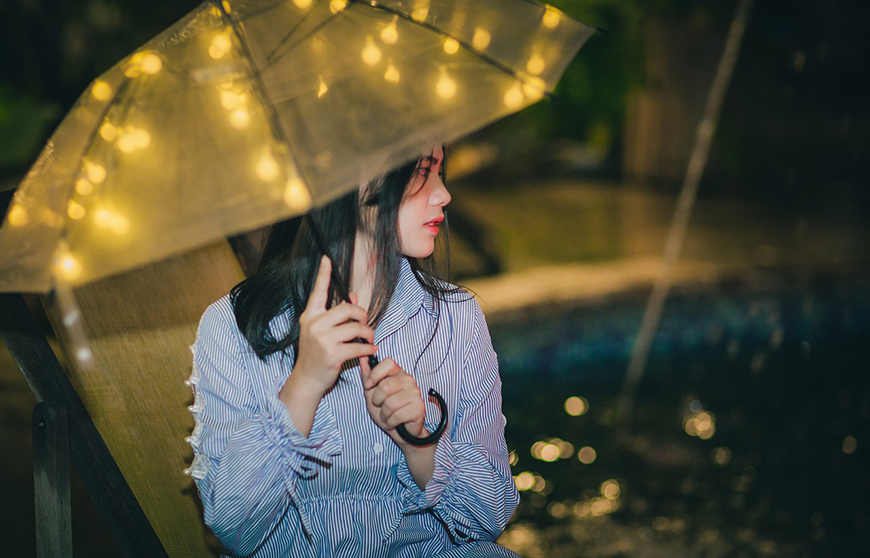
<point x="247" y="112"/>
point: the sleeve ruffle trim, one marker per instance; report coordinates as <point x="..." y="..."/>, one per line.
<point x="416" y="499"/>
<point x="303" y="454"/>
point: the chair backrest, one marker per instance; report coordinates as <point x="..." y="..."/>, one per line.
<point x="140" y="326"/>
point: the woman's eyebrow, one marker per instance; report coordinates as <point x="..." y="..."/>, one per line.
<point x="429" y="159"/>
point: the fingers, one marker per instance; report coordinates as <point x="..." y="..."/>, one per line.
<point x="387" y="367"/>
<point x="342" y="313"/>
<point x="320" y="292"/>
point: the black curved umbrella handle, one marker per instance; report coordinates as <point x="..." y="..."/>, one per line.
<point x="431" y="438"/>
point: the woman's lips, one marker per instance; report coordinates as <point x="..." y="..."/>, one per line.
<point x="433" y="225"/>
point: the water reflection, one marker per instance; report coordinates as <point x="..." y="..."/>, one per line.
<point x="748" y="431"/>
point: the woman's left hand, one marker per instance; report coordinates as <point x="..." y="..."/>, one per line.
<point x="393" y="398"/>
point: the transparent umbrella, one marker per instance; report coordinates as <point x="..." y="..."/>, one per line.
<point x="247" y="112"/>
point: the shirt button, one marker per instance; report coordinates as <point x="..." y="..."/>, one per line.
<point x="378" y="448"/>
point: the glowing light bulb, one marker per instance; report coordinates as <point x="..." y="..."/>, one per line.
<point x="18" y="216"/>
<point x="420" y="13"/>
<point x="221" y="44"/>
<point x="68" y="267"/>
<point x="240" y="118"/>
<point x="390" y="33"/>
<point x="481" y="38"/>
<point x="108" y="132"/>
<point x="84" y="186"/>
<point x="267" y="167"/>
<point x="371" y="54"/>
<point x="96" y="173"/>
<point x="392" y="74"/>
<point x="101" y="90"/>
<point x="132" y="139"/>
<point x="446" y="87"/>
<point x="226" y="5"/>
<point x="551" y="18"/>
<point x="524" y="481"/>
<point x="514" y="98"/>
<point x="151" y="63"/>
<point x="451" y="46"/>
<point x="232" y="100"/>
<point x="302" y="4"/>
<point x="296" y="195"/>
<point x="534" y="88"/>
<point x="536" y="65"/>
<point x="337" y="6"/>
<point x="115" y="222"/>
<point x="322" y="89"/>
<point x="75" y="210"/>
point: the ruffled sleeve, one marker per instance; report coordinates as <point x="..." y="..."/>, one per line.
<point x="248" y="453"/>
<point x="471" y="489"/>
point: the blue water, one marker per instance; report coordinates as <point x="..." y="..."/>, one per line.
<point x="782" y="367"/>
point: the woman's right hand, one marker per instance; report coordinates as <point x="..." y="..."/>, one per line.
<point x="326" y="337"/>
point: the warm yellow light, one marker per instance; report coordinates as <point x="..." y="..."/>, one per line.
<point x="371" y="54"/>
<point x="18" y="216"/>
<point x="392" y="74"/>
<point x="75" y="210"/>
<point x="420" y="13"/>
<point x="850" y="444"/>
<point x="550" y="453"/>
<point x="68" y="267"/>
<point x="587" y="455"/>
<point x="108" y="132"/>
<point x="150" y="63"/>
<point x="267" y="167"/>
<point x="540" y="484"/>
<point x="610" y="489"/>
<point x="534" y="88"/>
<point x="221" y="44"/>
<point x="721" y="456"/>
<point x="232" y="100"/>
<point x="227" y="7"/>
<point x="115" y="222"/>
<point x="132" y="139"/>
<point x="84" y="186"/>
<point x="446" y="87"/>
<point x="296" y="195"/>
<point x="302" y="4"/>
<point x="566" y="449"/>
<point x="240" y="118"/>
<point x="536" y="65"/>
<point x="101" y="90"/>
<point x="576" y="406"/>
<point x="451" y="45"/>
<point x="390" y="33"/>
<point x="514" y="98"/>
<point x="551" y="18"/>
<point x="599" y="507"/>
<point x="96" y="173"/>
<point x="481" y="38"/>
<point x="337" y="6"/>
<point x="513" y="458"/>
<point x="524" y="481"/>
<point x="322" y="88"/>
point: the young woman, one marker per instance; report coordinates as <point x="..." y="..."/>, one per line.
<point x="296" y="449"/>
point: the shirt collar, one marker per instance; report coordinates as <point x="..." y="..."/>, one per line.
<point x="407" y="299"/>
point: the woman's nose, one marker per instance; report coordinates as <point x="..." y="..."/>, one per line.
<point x="440" y="196"/>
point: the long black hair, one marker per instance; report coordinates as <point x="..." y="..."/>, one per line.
<point x="291" y="257"/>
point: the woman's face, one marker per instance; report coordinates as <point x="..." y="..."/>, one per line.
<point x="422" y="209"/>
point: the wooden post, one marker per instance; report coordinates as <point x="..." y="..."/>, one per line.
<point x="51" y="481"/>
<point x="88" y="453"/>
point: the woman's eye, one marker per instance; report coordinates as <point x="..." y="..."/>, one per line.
<point x="424" y="171"/>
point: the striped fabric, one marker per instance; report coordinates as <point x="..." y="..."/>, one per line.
<point x="346" y="490"/>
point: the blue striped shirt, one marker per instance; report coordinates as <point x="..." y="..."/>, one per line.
<point x="345" y="490"/>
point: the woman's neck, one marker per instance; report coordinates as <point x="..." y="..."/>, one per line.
<point x="364" y="270"/>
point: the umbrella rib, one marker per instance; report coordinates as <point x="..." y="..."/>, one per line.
<point x="269" y="59"/>
<point x="286" y="38"/>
